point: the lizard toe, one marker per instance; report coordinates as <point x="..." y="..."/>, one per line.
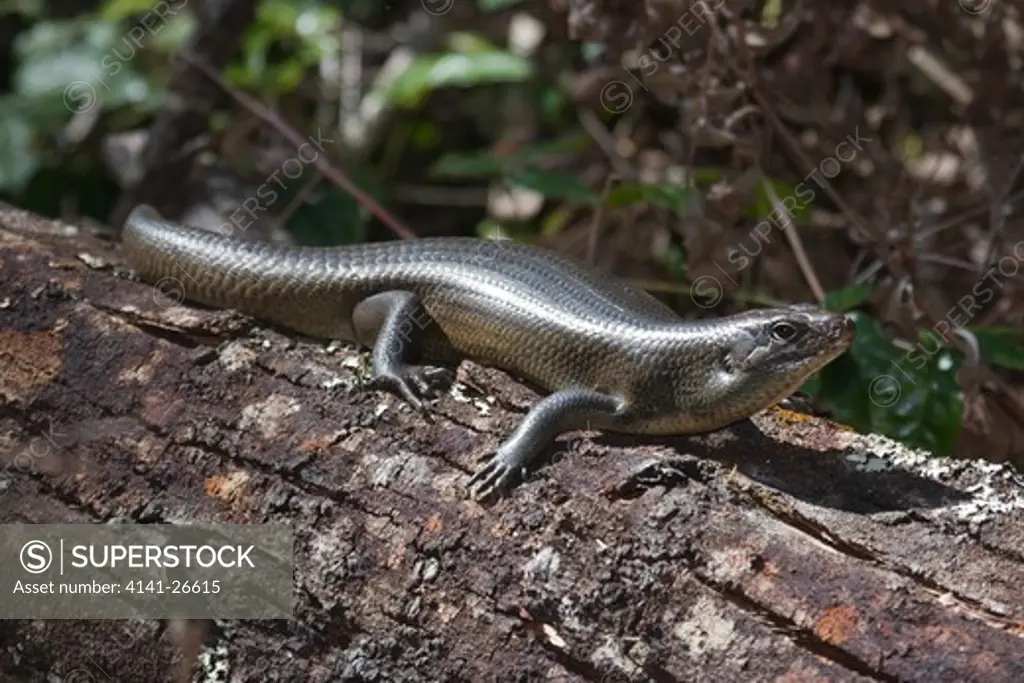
<point x="491" y="480"/>
<point x="420" y="377"/>
<point x="429" y="380"/>
<point x="404" y="386"/>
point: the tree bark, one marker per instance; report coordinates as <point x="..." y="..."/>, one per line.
<point x="786" y="549"/>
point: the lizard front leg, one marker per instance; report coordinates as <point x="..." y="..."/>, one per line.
<point x="562" y="411"/>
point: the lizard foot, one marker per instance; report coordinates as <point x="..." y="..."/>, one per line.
<point x="413" y="383"/>
<point x="494" y="478"/>
<point x="433" y="379"/>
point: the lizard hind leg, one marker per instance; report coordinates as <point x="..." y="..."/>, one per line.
<point x="394" y="324"/>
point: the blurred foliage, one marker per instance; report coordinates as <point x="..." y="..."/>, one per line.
<point x="311" y="27"/>
<point x="908" y="394"/>
<point x="475" y="65"/>
<point x="101" y="64"/>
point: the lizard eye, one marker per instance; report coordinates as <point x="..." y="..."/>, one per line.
<point x="784" y="332"/>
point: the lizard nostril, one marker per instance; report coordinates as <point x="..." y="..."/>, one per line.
<point x="849" y="328"/>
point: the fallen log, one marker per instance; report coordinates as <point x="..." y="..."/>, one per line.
<point x="787" y="548"/>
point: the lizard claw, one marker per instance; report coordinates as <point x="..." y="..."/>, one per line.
<point x="413" y="383"/>
<point x="491" y="480"/>
<point x="427" y="378"/>
<point x="402" y="385"/>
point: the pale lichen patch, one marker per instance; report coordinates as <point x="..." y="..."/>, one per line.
<point x="996" y="488"/>
<point x="269" y="416"/>
<point x="704" y="629"/>
<point x="182" y="317"/>
<point x="235" y="356"/>
<point x="543" y="566"/>
<point x="405" y="466"/>
<point x="143" y="372"/>
<point x="609" y="658"/>
<point x="717" y="440"/>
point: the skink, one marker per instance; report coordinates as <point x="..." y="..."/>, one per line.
<point x="610" y="356"/>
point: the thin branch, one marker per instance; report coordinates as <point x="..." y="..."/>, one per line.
<point x="793" y="237"/>
<point x="321" y="163"/>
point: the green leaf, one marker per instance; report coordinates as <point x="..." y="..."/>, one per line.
<point x="674" y="260"/>
<point x="670" y="197"/>
<point x="763" y="205"/>
<point x="913" y="147"/>
<point x="770" y="14"/>
<point x="335" y="218"/>
<point x="848" y="298"/>
<point x="72" y="67"/>
<point x="1002" y="346"/>
<point x="165" y="30"/>
<point x="592" y="51"/>
<point x="18" y="160"/>
<point x="278" y="15"/>
<point x="911" y="396"/>
<point x="467" y="42"/>
<point x="426" y="135"/>
<point x="813" y="385"/>
<point x="28" y="8"/>
<point x="496" y="5"/>
<point x="554" y="185"/>
<point x="114" y="11"/>
<point x="554" y="106"/>
<point x="432" y="72"/>
<point x="308" y="31"/>
<point x="171" y="38"/>
<point x="481" y="164"/>
<point x="706" y="175"/>
<point x="485" y="164"/>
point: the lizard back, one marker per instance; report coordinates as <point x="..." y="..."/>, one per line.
<point x="499" y="302"/>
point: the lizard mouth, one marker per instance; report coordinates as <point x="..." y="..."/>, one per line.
<point x="843" y="330"/>
<point x="835" y="338"/>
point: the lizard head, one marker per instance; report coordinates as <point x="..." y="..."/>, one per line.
<point x="726" y="369"/>
<point x="774" y="351"/>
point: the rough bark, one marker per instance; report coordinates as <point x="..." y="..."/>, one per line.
<point x="788" y="549"/>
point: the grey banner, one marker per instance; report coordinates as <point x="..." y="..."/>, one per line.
<point x="147" y="571"/>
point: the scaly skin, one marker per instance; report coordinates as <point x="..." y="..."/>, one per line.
<point x="612" y="356"/>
